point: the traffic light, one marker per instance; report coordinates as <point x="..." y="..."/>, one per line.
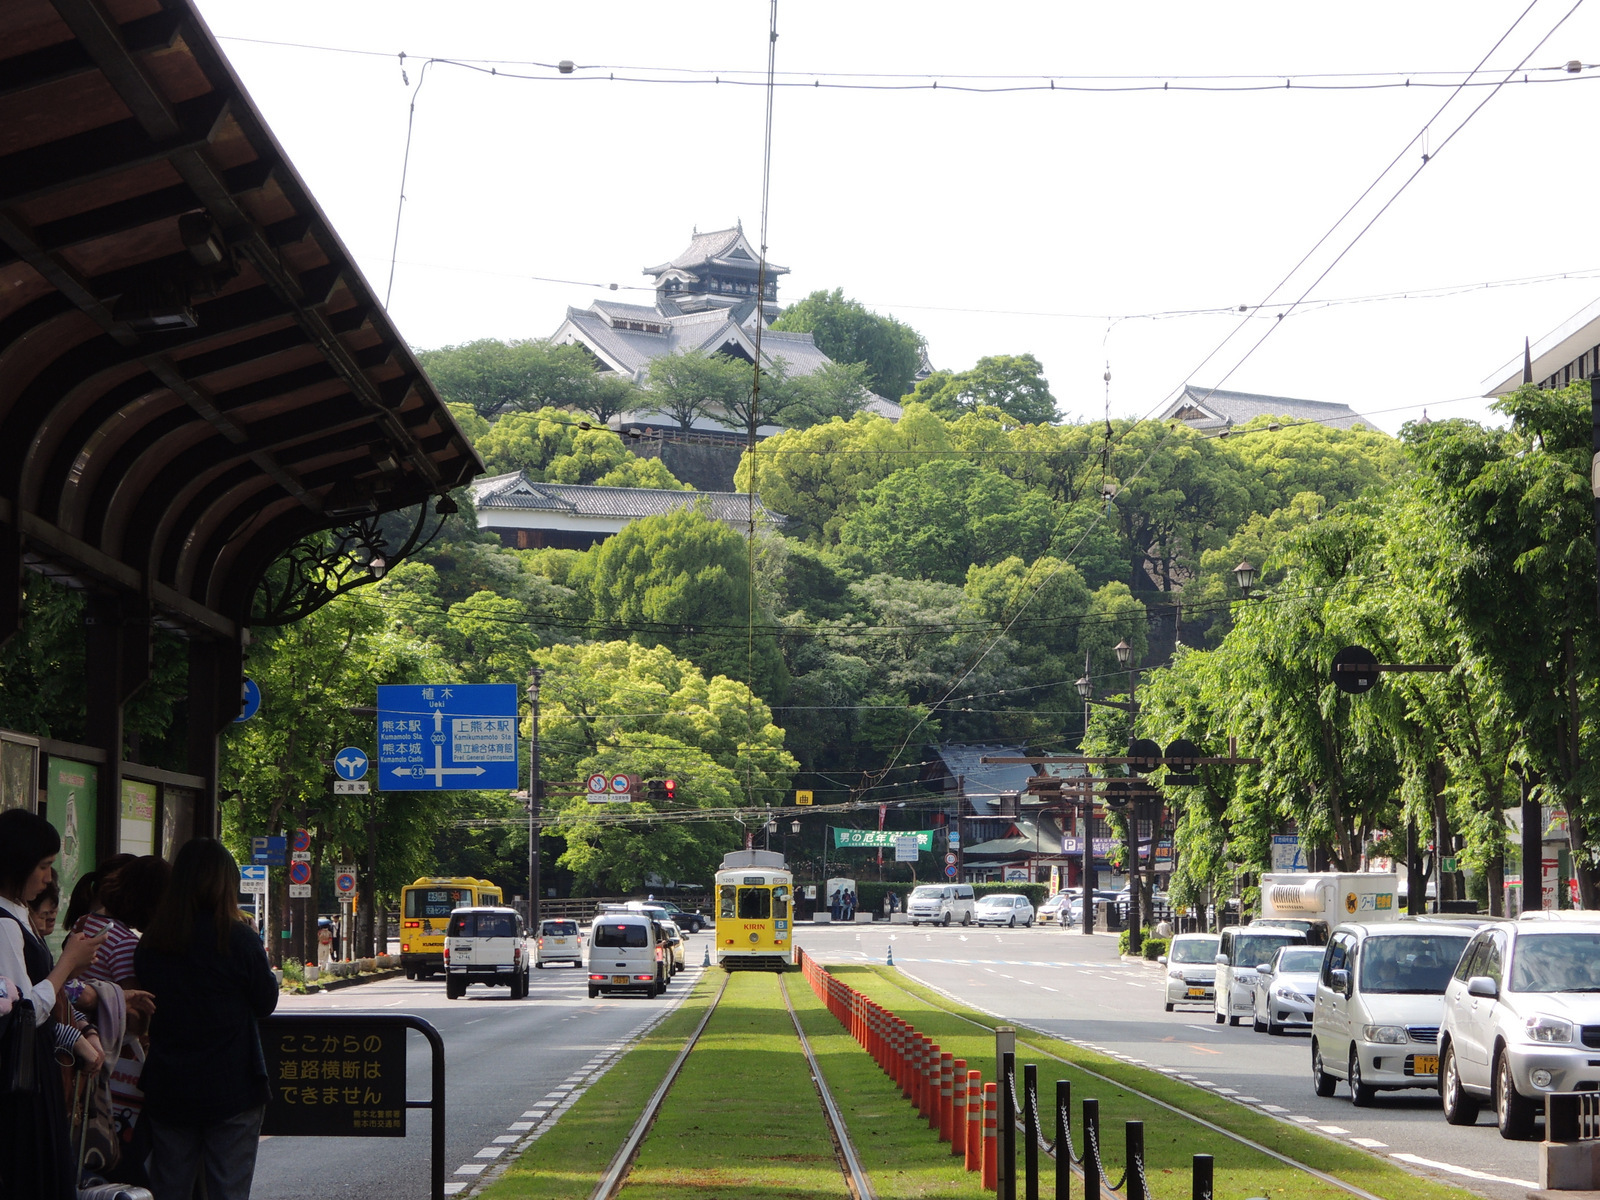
<point x="665" y="790"/>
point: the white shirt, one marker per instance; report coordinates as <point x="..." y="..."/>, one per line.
<point x="15" y="968"/>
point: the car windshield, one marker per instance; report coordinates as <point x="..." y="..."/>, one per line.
<point x="1252" y="948"/>
<point x="1556" y="962"/>
<point x="1301" y="961"/>
<point x="1412" y="964"/>
<point x="560" y="928"/>
<point x="998" y="901"/>
<point x="1193" y="950"/>
<point x="619" y="934"/>
<point x="927" y="893"/>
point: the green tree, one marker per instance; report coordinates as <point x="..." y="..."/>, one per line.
<point x="692" y="384"/>
<point x="494" y="376"/>
<point x="1012" y="383"/>
<point x="550" y="447"/>
<point x="683" y="580"/>
<point x="836" y="390"/>
<point x="934" y="521"/>
<point x="847" y="332"/>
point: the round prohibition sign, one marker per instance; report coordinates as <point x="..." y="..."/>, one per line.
<point x="300" y="872"/>
<point x="597" y="783"/>
<point x="619" y="784"/>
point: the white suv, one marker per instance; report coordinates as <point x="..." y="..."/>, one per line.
<point x="1379" y="1000"/>
<point x="1522" y="1020"/>
<point x="941" y="903"/>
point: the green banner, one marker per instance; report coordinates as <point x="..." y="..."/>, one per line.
<point x="71" y="804"/>
<point x="879" y="838"/>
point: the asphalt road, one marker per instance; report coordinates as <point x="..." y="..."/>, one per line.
<point x="1078" y="987"/>
<point x="507" y="1063"/>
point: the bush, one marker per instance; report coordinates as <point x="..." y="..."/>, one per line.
<point x="294" y="976"/>
<point x="1125" y="942"/>
<point x="1155" y="947"/>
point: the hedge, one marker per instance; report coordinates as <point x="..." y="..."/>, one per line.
<point x="872" y="894"/>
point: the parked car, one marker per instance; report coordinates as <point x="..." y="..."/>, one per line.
<point x="1522" y="1019"/>
<point x="1380" y="1000"/>
<point x="687" y="922"/>
<point x="1005" y="908"/>
<point x="675" y="954"/>
<point x="626" y="954"/>
<point x="941" y="903"/>
<point x="558" y="942"/>
<point x="1056" y="909"/>
<point x="1286" y="989"/>
<point x="484" y="945"/>
<point x="1240" y="950"/>
<point x="1191" y="962"/>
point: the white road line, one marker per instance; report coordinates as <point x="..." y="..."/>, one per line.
<point x="1048" y="989"/>
<point x="1273" y="1108"/>
<point x="1334" y="1129"/>
<point x="1467" y="1172"/>
<point x="471" y="1168"/>
<point x="1370" y="1143"/>
<point x="1247" y="1099"/>
<point x="519" y="1126"/>
<point x="1302" y="1120"/>
<point x="505" y="1139"/>
<point x="490" y="1152"/>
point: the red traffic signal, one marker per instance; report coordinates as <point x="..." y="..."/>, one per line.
<point x="670" y="787"/>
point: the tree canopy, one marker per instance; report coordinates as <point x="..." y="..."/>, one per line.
<point x="1012" y="383"/>
<point x="848" y="332"/>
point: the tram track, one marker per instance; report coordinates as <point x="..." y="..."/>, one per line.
<point x="614" y="1180"/>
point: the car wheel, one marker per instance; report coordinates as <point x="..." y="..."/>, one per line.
<point x="1169" y="1005"/>
<point x="593" y="991"/>
<point x="1321" y="1082"/>
<point x="966" y="919"/>
<point x="540" y="964"/>
<point x="1273" y="1028"/>
<point x="1233" y="1020"/>
<point x="1011" y="921"/>
<point x="1256" y="1023"/>
<point x="1459" y="1107"/>
<point x="914" y="924"/>
<point x="946" y="921"/>
<point x="1220" y="1018"/>
<point x="1360" y="1094"/>
<point x="453" y="990"/>
<point x="1513" y="1112"/>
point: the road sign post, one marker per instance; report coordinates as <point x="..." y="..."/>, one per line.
<point x="459" y="736"/>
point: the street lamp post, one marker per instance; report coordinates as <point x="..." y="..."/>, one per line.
<point x="1086" y="689"/>
<point x="1085" y="686"/>
<point x="534" y="789"/>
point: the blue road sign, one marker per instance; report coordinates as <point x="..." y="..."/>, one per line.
<point x="350" y="763"/>
<point x="460" y="736"/>
<point x="269" y="851"/>
<point x="249" y="701"/>
<point x="950" y="872"/>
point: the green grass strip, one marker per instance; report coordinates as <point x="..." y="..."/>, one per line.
<point x="568" y="1160"/>
<point x="743" y="1119"/>
<point x="903" y="1157"/>
<point x="1171" y="1141"/>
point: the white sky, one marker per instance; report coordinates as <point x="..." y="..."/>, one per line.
<point x="935" y="206"/>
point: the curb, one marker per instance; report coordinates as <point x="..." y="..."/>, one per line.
<point x="1139" y="959"/>
<point x="335" y="985"/>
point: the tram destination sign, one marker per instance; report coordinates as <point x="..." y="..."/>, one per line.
<point x="439" y="737"/>
<point x="334" y="1079"/>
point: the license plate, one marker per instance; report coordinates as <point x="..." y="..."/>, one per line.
<point x="1425" y="1064"/>
<point x="619" y="979"/>
<point x="1197" y="992"/>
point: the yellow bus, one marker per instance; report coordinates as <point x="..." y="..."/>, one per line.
<point x="425" y="908"/>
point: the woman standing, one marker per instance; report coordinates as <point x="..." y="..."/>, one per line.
<point x="35" y="1146"/>
<point x="205" y="1081"/>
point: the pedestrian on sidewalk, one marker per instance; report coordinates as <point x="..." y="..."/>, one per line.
<point x="36" y="1158"/>
<point x="42" y="909"/>
<point x="205" y="1082"/>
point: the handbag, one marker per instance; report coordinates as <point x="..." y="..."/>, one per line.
<point x="18" y="1051"/>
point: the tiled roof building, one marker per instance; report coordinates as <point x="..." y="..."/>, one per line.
<point x="1207" y="410"/>
<point x="527" y="514"/>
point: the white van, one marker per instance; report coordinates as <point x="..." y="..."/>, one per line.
<point x="1380" y="1002"/>
<point x="485" y="945"/>
<point x="942" y="903"/>
<point x="626" y="954"/>
<point x="1240" y="951"/>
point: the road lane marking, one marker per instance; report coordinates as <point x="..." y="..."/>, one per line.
<point x="505" y="1139"/>
<point x="1333" y="1129"/>
<point x="471" y="1168"/>
<point x="520" y="1126"/>
<point x="1302" y="1120"/>
<point x="1467" y="1172"/>
<point x="490" y="1152"/>
<point x="1370" y="1143"/>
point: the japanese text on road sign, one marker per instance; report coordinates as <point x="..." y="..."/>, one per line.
<point x="436" y="736"/>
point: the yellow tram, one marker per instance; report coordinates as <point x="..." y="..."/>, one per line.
<point x="755" y="921"/>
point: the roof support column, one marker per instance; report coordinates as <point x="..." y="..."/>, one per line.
<point x="10" y="581"/>
<point x="215" y="686"/>
<point x="116" y="664"/>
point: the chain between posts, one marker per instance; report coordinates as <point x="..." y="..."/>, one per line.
<point x="1092" y="1133"/>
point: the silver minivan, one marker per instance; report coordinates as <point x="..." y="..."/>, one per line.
<point x="1241" y="949"/>
<point x="941" y="903"/>
<point x="1379" y="1005"/>
<point x="626" y="954"/>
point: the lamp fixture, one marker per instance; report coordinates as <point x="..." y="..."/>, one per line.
<point x="1084" y="686"/>
<point x="446" y="507"/>
<point x="794" y="826"/>
<point x="1124" y="653"/>
<point x="1245" y="576"/>
<point x="202" y="239"/>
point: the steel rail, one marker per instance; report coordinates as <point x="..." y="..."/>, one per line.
<point x="855" y="1174"/>
<point x="1323" y="1176"/>
<point x="611" y="1182"/>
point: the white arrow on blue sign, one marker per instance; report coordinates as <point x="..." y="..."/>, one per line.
<point x="350" y="763"/>
<point x="249" y="701"/>
<point x="461" y="735"/>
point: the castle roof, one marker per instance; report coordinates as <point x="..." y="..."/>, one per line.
<point x="1207" y="409"/>
<point x="724" y="248"/>
<point x="515" y="490"/>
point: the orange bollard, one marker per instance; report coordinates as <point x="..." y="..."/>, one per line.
<point x="974" y="1147"/>
<point x="930" y="1083"/>
<point x="946" y="1096"/>
<point x="991" y="1138"/>
<point x="902" y="1058"/>
<point x="958" y="1107"/>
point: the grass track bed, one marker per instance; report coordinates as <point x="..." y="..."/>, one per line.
<point x="1170" y="1140"/>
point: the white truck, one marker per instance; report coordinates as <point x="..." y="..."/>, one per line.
<point x="1315" y="902"/>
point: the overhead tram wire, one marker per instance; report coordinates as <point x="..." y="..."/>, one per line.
<point x="1150" y="454"/>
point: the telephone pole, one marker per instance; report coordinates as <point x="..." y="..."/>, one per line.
<point x="535" y="789"/>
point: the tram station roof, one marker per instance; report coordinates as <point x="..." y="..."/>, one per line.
<point x="193" y="373"/>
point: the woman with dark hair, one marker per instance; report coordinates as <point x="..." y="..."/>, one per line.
<point x="42" y="908"/>
<point x="126" y="901"/>
<point x="35" y="1146"/>
<point x="205" y="1081"/>
<point x="85" y="896"/>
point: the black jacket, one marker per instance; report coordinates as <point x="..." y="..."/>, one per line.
<point x="205" y="1059"/>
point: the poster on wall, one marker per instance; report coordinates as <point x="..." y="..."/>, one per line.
<point x="136" y="831"/>
<point x="1016" y="874"/>
<point x="19" y="773"/>
<point x="70" y="789"/>
<point x="177" y="819"/>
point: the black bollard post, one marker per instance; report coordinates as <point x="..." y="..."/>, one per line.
<point x="1134" y="1188"/>
<point x="1091" y="1159"/>
<point x="1201" y="1188"/>
<point x="1030" y="1131"/>
<point x="1006" y="1176"/>
<point x="1063" y="1140"/>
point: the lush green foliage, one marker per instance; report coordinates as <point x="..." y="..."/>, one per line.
<point x="494" y="377"/>
<point x="1012" y="383"/>
<point x="550" y="446"/>
<point x="847" y="332"/>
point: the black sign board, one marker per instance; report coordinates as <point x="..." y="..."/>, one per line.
<point x="1354" y="670"/>
<point x="335" y="1078"/>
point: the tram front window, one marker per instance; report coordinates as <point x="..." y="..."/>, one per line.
<point x="755" y="904"/>
<point x="780" y="903"/>
<point x="727" y="900"/>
